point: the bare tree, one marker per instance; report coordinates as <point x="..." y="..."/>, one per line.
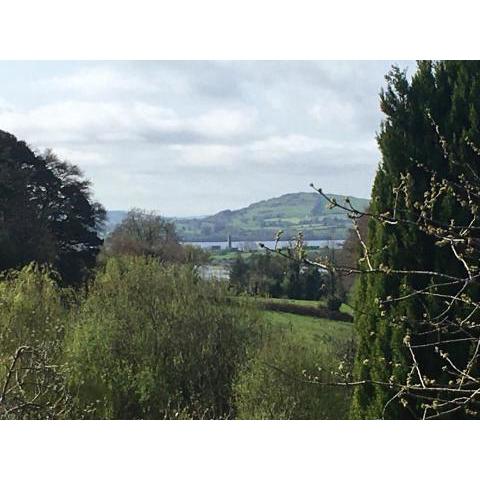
<point x="144" y="233"/>
<point x="32" y="387"/>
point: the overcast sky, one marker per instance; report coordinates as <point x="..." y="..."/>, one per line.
<point x="192" y="138"/>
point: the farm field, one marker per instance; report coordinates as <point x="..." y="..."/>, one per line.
<point x="319" y="333"/>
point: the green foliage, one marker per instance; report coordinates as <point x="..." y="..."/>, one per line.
<point x="144" y="233"/>
<point x="275" y="276"/>
<point x="192" y="255"/>
<point x="317" y="333"/>
<point x="283" y="380"/>
<point x="148" y="234"/>
<point x="334" y="303"/>
<point x="149" y="340"/>
<point x="47" y="214"/>
<point x="33" y="318"/>
<point x="449" y="93"/>
<point x="154" y="341"/>
<point x="291" y="213"/>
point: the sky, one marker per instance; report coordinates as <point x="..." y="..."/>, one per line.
<point x="191" y="138"/>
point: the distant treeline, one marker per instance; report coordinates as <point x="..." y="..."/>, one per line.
<point x="267" y="274"/>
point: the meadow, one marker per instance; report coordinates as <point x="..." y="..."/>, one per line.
<point x="288" y="376"/>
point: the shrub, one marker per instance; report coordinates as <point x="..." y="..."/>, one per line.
<point x="155" y="341"/>
<point x="33" y="317"/>
<point x="334" y="303"/>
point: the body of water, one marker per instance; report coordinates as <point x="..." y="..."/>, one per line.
<point x="253" y="245"/>
<point x="214" y="272"/>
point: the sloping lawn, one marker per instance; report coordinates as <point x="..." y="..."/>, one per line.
<point x="317" y="332"/>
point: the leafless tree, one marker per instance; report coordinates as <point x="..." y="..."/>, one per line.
<point x="32" y="387"/>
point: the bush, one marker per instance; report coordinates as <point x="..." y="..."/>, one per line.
<point x="155" y="341"/>
<point x="278" y="383"/>
<point x="33" y="318"/>
<point x="334" y="303"/>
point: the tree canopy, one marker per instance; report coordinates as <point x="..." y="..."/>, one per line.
<point x="148" y="234"/>
<point x="47" y="213"/>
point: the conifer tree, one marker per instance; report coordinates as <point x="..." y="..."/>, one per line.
<point x="431" y="122"/>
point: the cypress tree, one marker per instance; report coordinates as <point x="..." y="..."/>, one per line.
<point x="443" y="95"/>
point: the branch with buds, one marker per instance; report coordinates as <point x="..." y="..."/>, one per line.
<point x="455" y="291"/>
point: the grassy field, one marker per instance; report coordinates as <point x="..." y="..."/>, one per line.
<point x="310" y="330"/>
<point x="228" y="256"/>
<point x="297" y="350"/>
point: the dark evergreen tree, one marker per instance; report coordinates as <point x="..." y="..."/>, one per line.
<point x="313" y="282"/>
<point x="292" y="285"/>
<point x="239" y="273"/>
<point x="429" y="122"/>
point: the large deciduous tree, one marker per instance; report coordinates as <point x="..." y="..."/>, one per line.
<point x="143" y="233"/>
<point x="47" y="214"/>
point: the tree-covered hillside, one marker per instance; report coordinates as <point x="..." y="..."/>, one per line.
<point x="292" y="213"/>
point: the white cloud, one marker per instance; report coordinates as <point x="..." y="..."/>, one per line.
<point x="110" y="122"/>
<point x="186" y="136"/>
<point x="4" y="105"/>
<point x="205" y="155"/>
<point x="223" y="123"/>
<point x="278" y="148"/>
<point x="114" y="80"/>
<point x="333" y="113"/>
<point x="83" y="158"/>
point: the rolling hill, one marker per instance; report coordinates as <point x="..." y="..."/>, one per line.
<point x="294" y="212"/>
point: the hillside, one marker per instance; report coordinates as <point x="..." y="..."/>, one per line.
<point x="292" y="213"/>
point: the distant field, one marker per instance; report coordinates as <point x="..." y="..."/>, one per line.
<point x="227" y="256"/>
<point x="309" y="330"/>
<point x="306" y="303"/>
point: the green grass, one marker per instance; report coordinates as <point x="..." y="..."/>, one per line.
<point x="305" y="303"/>
<point x="227" y="256"/>
<point x="316" y="332"/>
<point x="344" y="308"/>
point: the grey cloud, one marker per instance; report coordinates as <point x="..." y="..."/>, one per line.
<point x="190" y="138"/>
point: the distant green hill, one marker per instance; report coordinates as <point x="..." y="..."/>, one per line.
<point x="292" y="213"/>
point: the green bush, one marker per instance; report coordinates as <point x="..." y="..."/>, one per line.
<point x="146" y="340"/>
<point x="282" y="382"/>
<point x="33" y="317"/>
<point x="155" y="341"/>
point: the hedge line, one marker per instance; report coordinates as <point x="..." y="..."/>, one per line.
<point x="319" y="312"/>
